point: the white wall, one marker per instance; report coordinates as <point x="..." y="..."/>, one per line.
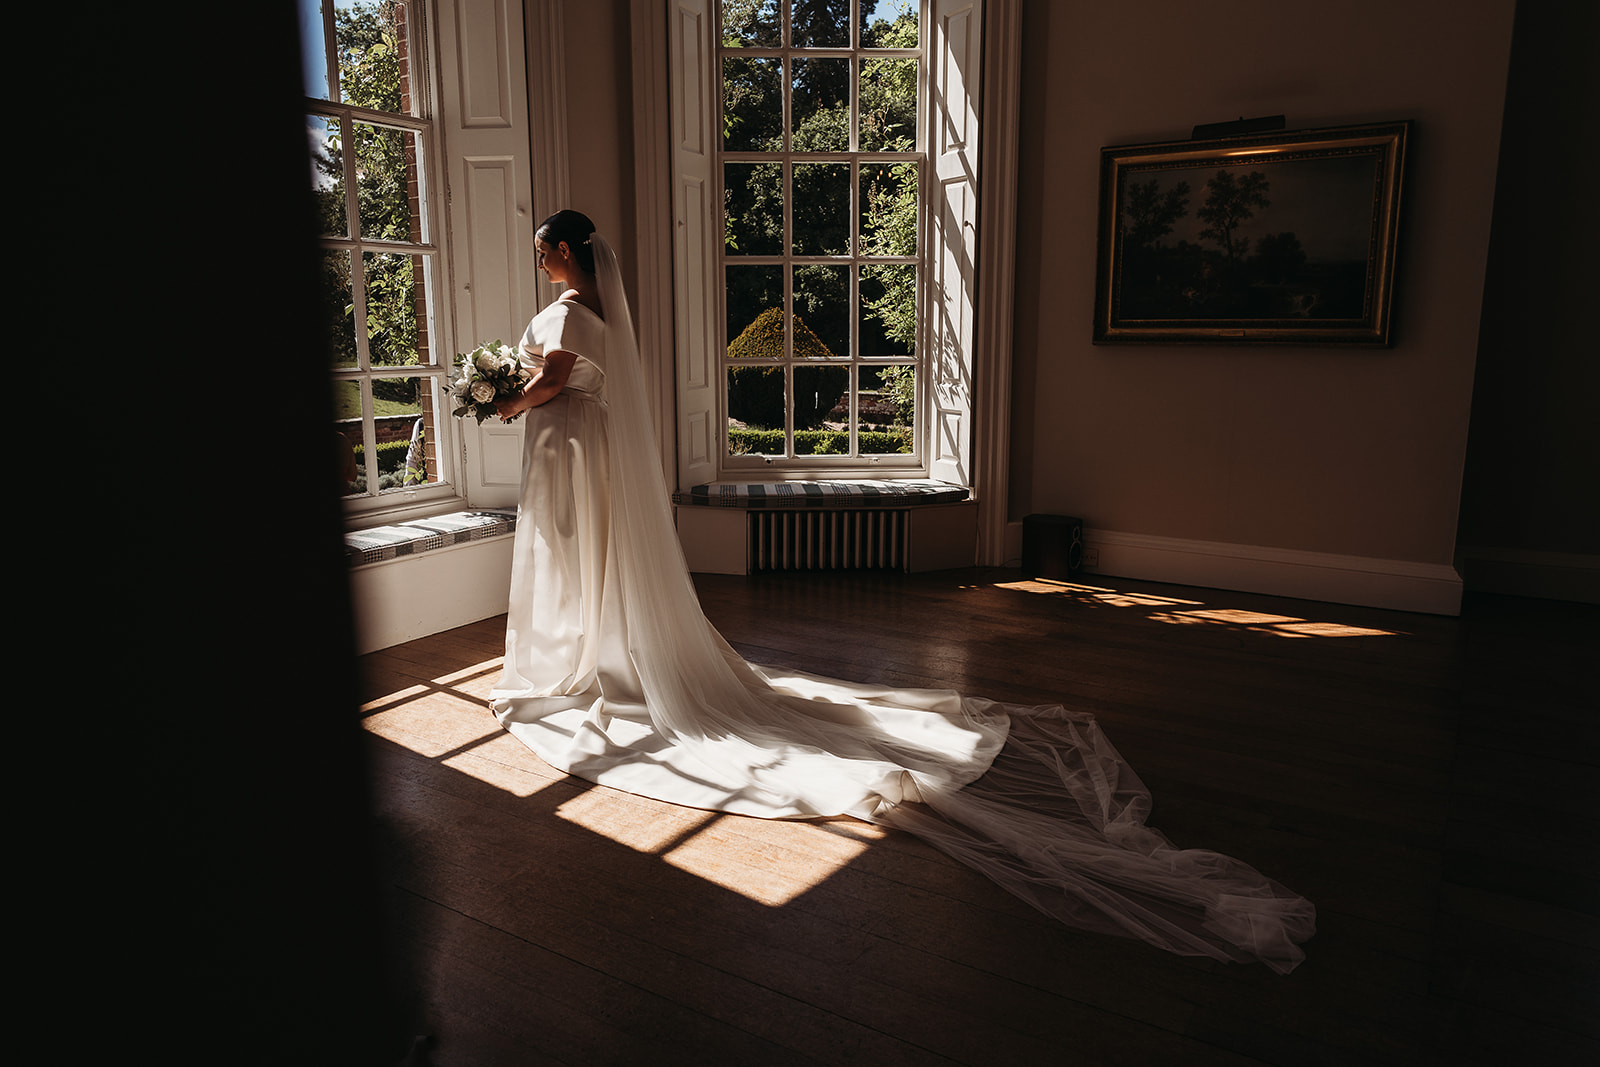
<point x="1337" y="454"/>
<point x="403" y="599"/>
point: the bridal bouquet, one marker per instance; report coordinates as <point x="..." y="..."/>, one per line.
<point x="486" y="374"/>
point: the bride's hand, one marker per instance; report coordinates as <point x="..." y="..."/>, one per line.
<point x="509" y="408"/>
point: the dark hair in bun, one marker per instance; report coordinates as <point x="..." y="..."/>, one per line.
<point x="574" y="228"/>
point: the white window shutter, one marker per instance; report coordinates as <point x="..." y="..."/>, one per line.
<point x="487" y="157"/>
<point x="694" y="253"/>
<point x="955" y="77"/>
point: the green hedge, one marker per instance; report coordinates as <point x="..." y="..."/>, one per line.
<point x="818" y="442"/>
<point x="391" y="455"/>
<point x="392" y="473"/>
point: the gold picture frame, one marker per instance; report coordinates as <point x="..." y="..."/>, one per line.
<point x="1281" y="238"/>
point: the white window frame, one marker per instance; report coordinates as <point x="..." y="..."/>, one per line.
<point x="975" y="376"/>
<point x="854" y="157"/>
<point x="443" y="492"/>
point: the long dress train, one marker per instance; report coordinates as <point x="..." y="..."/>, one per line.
<point x="613" y="674"/>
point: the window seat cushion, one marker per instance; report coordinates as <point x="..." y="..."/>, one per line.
<point x="829" y="495"/>
<point x="420" y="535"/>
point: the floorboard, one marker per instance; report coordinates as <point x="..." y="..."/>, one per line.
<point x="1428" y="782"/>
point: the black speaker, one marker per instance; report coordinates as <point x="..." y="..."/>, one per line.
<point x="1052" y="546"/>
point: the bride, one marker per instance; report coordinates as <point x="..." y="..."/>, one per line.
<point x="613" y="674"/>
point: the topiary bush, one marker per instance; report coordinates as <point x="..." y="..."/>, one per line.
<point x="755" y="393"/>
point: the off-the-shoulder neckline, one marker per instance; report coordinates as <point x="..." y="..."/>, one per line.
<point x="580" y="304"/>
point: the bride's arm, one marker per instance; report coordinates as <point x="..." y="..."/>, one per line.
<point x="546" y="382"/>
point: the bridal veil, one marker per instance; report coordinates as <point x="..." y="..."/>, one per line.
<point x="1035" y="798"/>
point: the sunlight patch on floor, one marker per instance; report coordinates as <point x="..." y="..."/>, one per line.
<point x="641" y="829"/>
<point x="1330" y="629"/>
<point x="1252" y="621"/>
<point x="719" y="848"/>
<point x="442" y="724"/>
<point x="1099" y="594"/>
<point x="393" y="700"/>
<point x="467" y="674"/>
<point x="471" y="682"/>
<point x="772" y="877"/>
<point x="1260" y="622"/>
<point x="504" y="762"/>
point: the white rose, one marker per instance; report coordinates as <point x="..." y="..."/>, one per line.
<point x="482" y="392"/>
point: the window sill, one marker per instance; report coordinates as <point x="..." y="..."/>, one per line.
<point x="831" y="495"/>
<point x="377" y="544"/>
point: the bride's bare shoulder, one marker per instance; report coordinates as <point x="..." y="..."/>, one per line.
<point x="575" y="298"/>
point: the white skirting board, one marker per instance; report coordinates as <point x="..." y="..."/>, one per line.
<point x="1400" y="585"/>
<point x="403" y="599"/>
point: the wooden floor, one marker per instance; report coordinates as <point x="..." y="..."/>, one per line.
<point x="1429" y="783"/>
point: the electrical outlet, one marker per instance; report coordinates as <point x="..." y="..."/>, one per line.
<point x="1091" y="556"/>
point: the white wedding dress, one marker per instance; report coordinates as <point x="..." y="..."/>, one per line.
<point x="613" y="674"/>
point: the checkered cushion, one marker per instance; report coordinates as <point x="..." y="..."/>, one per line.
<point x="420" y="535"/>
<point x="867" y="494"/>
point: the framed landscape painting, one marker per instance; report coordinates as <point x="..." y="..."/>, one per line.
<point x="1274" y="238"/>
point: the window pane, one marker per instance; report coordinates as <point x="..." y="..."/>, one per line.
<point x="371" y="48"/>
<point x="889" y="209"/>
<point x="313" y="51"/>
<point x="820" y="105"/>
<point x="821" y="209"/>
<point x="886" y="406"/>
<point x="752" y="105"/>
<point x="888" y="101"/>
<point x="755" y="312"/>
<point x="888" y="316"/>
<point x="753" y="193"/>
<point x="750" y="24"/>
<point x="888" y="24"/>
<point x="821" y="23"/>
<point x="327" y="175"/>
<point x="755" y="411"/>
<point x="821" y="311"/>
<point x="385" y="159"/>
<point x="391" y="291"/>
<point x="822" y="403"/>
<point x="338" y="312"/>
<point x="401" y="407"/>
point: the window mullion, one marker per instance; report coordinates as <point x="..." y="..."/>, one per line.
<point x="391" y="120"/>
<point x="369" y="434"/>
<point x="330" y="51"/>
<point x="352" y="223"/>
<point x="853" y="298"/>
<point x="404" y="248"/>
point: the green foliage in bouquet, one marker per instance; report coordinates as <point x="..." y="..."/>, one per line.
<point x="484" y="376"/>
